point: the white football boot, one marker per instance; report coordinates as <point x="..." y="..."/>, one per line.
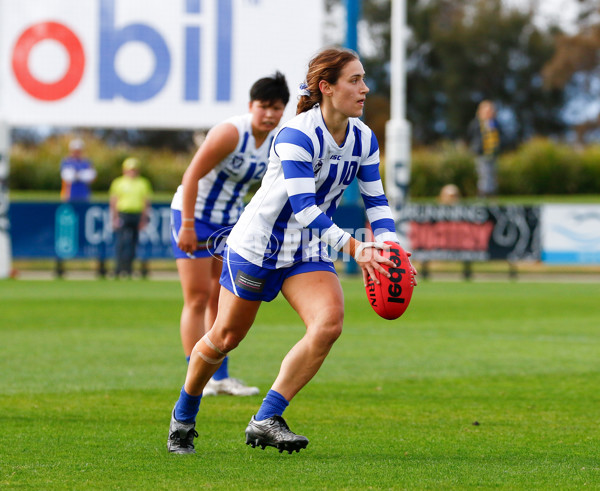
<point x="229" y="386"/>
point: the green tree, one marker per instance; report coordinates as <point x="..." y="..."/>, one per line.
<point x="459" y="53"/>
<point x="575" y="68"/>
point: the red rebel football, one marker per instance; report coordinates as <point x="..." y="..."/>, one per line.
<point x="391" y="297"/>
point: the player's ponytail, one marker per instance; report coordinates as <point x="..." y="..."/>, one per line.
<point x="326" y="65"/>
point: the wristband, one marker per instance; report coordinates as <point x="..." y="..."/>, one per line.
<point x="188" y="219"/>
<point x="363" y="245"/>
<point x="188" y="228"/>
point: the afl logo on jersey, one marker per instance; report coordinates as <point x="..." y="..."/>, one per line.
<point x="318" y="166"/>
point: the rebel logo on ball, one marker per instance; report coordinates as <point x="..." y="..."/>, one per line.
<point x="391" y="297"/>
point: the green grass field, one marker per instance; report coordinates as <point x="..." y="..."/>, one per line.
<point x="479" y="385"/>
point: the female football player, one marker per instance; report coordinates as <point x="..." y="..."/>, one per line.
<point x="280" y="244"/>
<point x="209" y="201"/>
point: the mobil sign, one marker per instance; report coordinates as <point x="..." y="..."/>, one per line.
<point x="147" y="63"/>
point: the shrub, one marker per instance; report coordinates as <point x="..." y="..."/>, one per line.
<point x="539" y="166"/>
<point x="37" y="167"/>
<point x="433" y="168"/>
<point x="547" y="168"/>
<point x="590" y="170"/>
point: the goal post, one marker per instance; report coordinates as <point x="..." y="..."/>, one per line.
<point x="398" y="130"/>
<point x="5" y="244"/>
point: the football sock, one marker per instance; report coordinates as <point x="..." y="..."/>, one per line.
<point x="273" y="404"/>
<point x="187" y="407"/>
<point x="223" y="371"/>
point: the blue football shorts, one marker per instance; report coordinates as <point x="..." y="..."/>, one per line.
<point x="251" y="282"/>
<point x="211" y="237"/>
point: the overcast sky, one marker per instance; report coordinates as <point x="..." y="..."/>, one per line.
<point x="561" y="12"/>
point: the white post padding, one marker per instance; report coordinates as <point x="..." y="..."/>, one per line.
<point x="397" y="130"/>
<point x="5" y="245"/>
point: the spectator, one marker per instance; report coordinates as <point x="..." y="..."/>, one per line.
<point x="77" y="174"/>
<point x="129" y="205"/>
<point x="449" y="195"/>
<point x="485" y="139"/>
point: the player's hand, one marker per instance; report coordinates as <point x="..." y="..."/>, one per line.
<point x="370" y="260"/>
<point x="187" y="240"/>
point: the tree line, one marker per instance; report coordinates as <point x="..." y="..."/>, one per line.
<point x="459" y="53"/>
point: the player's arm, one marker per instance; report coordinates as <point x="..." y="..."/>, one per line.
<point x="114" y="213"/>
<point x="145" y="218"/>
<point x="377" y="207"/>
<point x="371" y="190"/>
<point x="67" y="173"/>
<point x="87" y="174"/>
<point x="219" y="143"/>
<point x="295" y="149"/>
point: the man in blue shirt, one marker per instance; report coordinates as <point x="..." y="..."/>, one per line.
<point x="77" y="174"/>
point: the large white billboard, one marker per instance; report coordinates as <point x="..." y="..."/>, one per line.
<point x="148" y="63"/>
<point x="571" y="234"/>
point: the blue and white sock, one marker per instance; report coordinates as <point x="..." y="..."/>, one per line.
<point x="273" y="404"/>
<point x="187" y="407"/>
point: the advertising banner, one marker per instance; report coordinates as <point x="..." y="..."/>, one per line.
<point x="472" y="233"/>
<point x="81" y="230"/>
<point x="84" y="230"/>
<point x="571" y="234"/>
<point x="148" y="63"/>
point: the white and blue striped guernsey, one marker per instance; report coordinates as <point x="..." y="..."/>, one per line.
<point x="222" y="190"/>
<point x="289" y="218"/>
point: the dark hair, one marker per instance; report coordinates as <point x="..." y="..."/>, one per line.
<point x="326" y="65"/>
<point x="270" y="89"/>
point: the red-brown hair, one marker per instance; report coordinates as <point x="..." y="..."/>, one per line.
<point x="326" y="65"/>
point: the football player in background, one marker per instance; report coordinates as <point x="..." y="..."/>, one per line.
<point x="209" y="201"/>
<point x="280" y="244"/>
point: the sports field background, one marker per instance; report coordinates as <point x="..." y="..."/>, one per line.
<point x="479" y="385"/>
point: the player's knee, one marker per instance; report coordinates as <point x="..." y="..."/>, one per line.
<point x="333" y="331"/>
<point x="225" y="338"/>
<point x="209" y="351"/>
<point x="329" y="329"/>
<point x="231" y="340"/>
<point x="198" y="300"/>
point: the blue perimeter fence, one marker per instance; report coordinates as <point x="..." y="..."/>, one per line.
<point x="555" y="234"/>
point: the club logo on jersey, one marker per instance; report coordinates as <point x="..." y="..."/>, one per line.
<point x="236" y="162"/>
